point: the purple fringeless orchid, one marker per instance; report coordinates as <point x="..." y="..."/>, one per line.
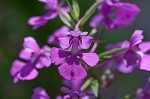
<point x="35" y="58"/>
<point x="61" y="32"/>
<point x="115" y="14"/>
<point x="70" y="66"/>
<point x="52" y="6"/>
<point x="134" y="56"/>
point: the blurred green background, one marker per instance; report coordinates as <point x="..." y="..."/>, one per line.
<point x="13" y="28"/>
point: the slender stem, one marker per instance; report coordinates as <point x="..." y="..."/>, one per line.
<point x="77" y="25"/>
<point x="110" y="52"/>
<point x="99" y="29"/>
<point x="88" y="14"/>
<point x="62" y="3"/>
<point x="94" y="47"/>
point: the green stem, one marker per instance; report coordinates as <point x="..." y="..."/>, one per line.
<point x="90" y="11"/>
<point x="110" y="52"/>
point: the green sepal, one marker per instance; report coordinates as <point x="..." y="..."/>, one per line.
<point x="75" y="11"/>
<point x="95" y="87"/>
<point x="90" y="11"/>
<point x="110" y="52"/>
<point x="86" y="84"/>
<point x="66" y="18"/>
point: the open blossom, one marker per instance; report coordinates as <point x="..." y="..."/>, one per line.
<point x="72" y="94"/>
<point x="35" y="58"/>
<point x="115" y="15"/>
<point x="69" y="60"/>
<point x="52" y="6"/>
<point x="40" y="93"/>
<point x="73" y="84"/>
<point x="144" y="93"/>
<point x="132" y="57"/>
<point x="61" y="32"/>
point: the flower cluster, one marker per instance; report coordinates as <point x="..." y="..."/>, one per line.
<point x="73" y="49"/>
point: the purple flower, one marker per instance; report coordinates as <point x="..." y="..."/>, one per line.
<point x="40" y="93"/>
<point x="35" y="58"/>
<point x="144" y="93"/>
<point x="73" y="84"/>
<point x="70" y="67"/>
<point x="145" y="63"/>
<point x="115" y="14"/>
<point x="54" y="38"/>
<point x="51" y="5"/>
<point x="132" y="57"/>
<point x="72" y="94"/>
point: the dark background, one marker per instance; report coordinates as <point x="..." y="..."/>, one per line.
<point x="13" y="28"/>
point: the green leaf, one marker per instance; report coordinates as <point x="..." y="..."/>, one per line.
<point x="65" y="17"/>
<point x="93" y="32"/>
<point x="86" y="84"/>
<point x="110" y="52"/>
<point x="131" y="96"/>
<point x="69" y="4"/>
<point x="95" y="87"/>
<point x="90" y="11"/>
<point x="76" y="10"/>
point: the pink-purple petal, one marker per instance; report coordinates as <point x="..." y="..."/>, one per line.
<point x="58" y="56"/>
<point x="17" y="65"/>
<point x="61" y="32"/>
<point x="40" y="93"/>
<point x="37" y="21"/>
<point x="28" y="75"/>
<point x="90" y="58"/>
<point x="66" y="9"/>
<point x="96" y="20"/>
<point x="144" y="46"/>
<point x="86" y="42"/>
<point x="26" y="54"/>
<point x="145" y="63"/>
<point x="64" y="42"/>
<point x="122" y="67"/>
<point x="136" y="37"/>
<point x="72" y="72"/>
<point x="44" y="61"/>
<point x="51" y="15"/>
<point x="30" y="42"/>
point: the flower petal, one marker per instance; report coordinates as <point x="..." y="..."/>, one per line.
<point x="40" y="93"/>
<point x="37" y="21"/>
<point x="30" y="42"/>
<point x="58" y="56"/>
<point x="61" y="32"/>
<point x="122" y="17"/>
<point x="43" y="61"/>
<point x="145" y="63"/>
<point x="26" y="54"/>
<point x="144" y="46"/>
<point x="86" y="42"/>
<point x="136" y="37"/>
<point x="96" y="20"/>
<point x="122" y="67"/>
<point x="132" y="58"/>
<point x="90" y="58"/>
<point x="28" y="72"/>
<point x="17" y="65"/>
<point x="66" y="9"/>
<point x="72" y="72"/>
<point x="51" y="15"/>
<point x="64" y="42"/>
